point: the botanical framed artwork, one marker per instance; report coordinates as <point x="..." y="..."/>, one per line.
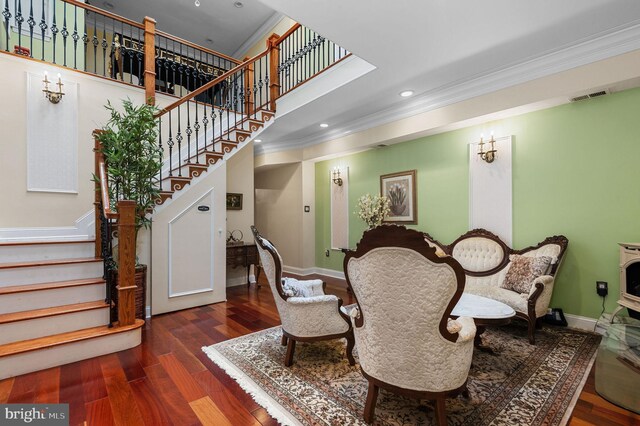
<point x="234" y="201"/>
<point x="400" y="189"/>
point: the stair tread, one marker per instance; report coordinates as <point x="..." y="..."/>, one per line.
<point x="47" y="312"/>
<point x="49" y="262"/>
<point x="32" y="243"/>
<point x="50" y="285"/>
<point x="64" y="338"/>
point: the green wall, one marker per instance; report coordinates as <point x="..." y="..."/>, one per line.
<point x="576" y="170"/>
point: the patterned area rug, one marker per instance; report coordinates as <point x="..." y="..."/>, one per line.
<point x="520" y="384"/>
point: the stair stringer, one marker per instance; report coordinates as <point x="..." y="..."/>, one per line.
<point x="196" y="180"/>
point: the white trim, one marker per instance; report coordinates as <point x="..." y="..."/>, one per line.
<point x="84" y="229"/>
<point x="259" y="34"/>
<point x="298" y="271"/>
<point x="147" y="312"/>
<point x="170" y="249"/>
<point x="615" y="43"/>
<point x="580" y="323"/>
<point x="330" y="273"/>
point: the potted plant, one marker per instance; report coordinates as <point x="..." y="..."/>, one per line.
<point x="133" y="159"/>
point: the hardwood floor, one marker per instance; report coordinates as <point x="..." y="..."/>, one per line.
<point x="169" y="380"/>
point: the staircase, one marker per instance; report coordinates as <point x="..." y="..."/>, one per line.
<point x="52" y="307"/>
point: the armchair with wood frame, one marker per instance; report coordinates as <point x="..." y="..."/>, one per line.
<point x="306" y="312"/>
<point x="406" y="341"/>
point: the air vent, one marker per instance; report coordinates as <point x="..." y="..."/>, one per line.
<point x="590" y="95"/>
<point x="381" y="145"/>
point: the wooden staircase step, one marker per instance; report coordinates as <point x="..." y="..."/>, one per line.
<point x="179" y="182"/>
<point x="164" y="196"/>
<point x="48" y="312"/>
<point x="242" y="135"/>
<point x="31" y="243"/>
<point x="267" y="115"/>
<point x="212" y="157"/>
<point x="49" y="262"/>
<point x="228" y="146"/>
<point x="255" y="124"/>
<point x="64" y="338"/>
<point x="49" y="286"/>
<point x="196" y="170"/>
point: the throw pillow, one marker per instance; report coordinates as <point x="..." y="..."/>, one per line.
<point x="523" y="271"/>
<point x="292" y="288"/>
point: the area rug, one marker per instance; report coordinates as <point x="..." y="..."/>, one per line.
<point x="520" y="384"/>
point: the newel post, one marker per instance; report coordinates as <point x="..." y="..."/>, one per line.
<point x="248" y="78"/>
<point x="126" y="262"/>
<point x="274" y="77"/>
<point x="149" y="60"/>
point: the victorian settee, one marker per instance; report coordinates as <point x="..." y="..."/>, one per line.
<point x="522" y="279"/>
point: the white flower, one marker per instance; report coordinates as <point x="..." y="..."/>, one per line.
<point x="372" y="209"/>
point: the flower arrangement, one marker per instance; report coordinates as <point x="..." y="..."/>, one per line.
<point x="372" y="209"/>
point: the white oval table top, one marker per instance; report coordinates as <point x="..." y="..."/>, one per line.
<point x="480" y="307"/>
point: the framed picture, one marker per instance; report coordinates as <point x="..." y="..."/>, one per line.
<point x="400" y="189"/>
<point x="234" y="201"/>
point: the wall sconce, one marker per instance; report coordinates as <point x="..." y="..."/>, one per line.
<point x="53" y="96"/>
<point x="336" y="176"/>
<point x="490" y="154"/>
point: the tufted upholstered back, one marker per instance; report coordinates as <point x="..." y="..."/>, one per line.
<point x="405" y="294"/>
<point x="483" y="254"/>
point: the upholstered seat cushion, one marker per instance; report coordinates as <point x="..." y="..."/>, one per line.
<point x="480" y="288"/>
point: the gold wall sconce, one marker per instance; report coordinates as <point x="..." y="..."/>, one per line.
<point x="336" y="176"/>
<point x="490" y="154"/>
<point x="54" y="96"/>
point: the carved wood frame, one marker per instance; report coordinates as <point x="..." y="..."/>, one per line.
<point x="399" y="236"/>
<point x="288" y="338"/>
<point x="530" y="315"/>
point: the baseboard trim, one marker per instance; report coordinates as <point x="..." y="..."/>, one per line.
<point x="580" y="323"/>
<point x="238" y="281"/>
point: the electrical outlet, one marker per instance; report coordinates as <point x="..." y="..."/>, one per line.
<point x="326" y="252"/>
<point x="602" y="288"/>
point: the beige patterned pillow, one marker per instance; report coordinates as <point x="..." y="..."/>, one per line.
<point x="523" y="271"/>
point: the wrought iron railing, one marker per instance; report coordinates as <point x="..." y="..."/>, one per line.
<point x="303" y="55"/>
<point x="79" y="36"/>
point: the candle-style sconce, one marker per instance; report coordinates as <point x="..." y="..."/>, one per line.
<point x="490" y="154"/>
<point x="54" y="96"/>
<point x="336" y="176"/>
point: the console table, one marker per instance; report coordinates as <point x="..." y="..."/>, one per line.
<point x="244" y="255"/>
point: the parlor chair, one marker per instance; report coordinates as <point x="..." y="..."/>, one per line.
<point x="407" y="343"/>
<point x="306" y="312"/>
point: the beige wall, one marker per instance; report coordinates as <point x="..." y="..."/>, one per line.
<point x="240" y="180"/>
<point x="278" y="210"/>
<point x="19" y="208"/>
<point x="280" y="28"/>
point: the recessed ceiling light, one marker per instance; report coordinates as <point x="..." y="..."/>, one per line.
<point x="257" y="140"/>
<point x="197" y="3"/>
<point x="324" y="125"/>
<point x="238" y="4"/>
<point x="406" y="93"/>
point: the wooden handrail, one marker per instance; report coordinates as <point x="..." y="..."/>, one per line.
<point x="210" y="84"/>
<point x="196" y="46"/>
<point x="104" y="192"/>
<point x="287" y="34"/>
<point x="105" y="13"/>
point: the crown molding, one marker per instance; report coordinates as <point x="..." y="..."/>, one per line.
<point x="261" y="33"/>
<point x="587" y="51"/>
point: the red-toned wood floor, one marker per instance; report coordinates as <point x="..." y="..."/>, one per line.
<point x="169" y="380"/>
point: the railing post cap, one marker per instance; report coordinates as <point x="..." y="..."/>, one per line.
<point x="149" y="19"/>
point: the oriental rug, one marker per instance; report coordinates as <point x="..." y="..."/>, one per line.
<point x="520" y="384"/>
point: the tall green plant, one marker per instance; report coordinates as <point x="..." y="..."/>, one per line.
<point x="133" y="157"/>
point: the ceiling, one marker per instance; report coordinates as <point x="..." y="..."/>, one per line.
<point x="446" y="52"/>
<point x="217" y="20"/>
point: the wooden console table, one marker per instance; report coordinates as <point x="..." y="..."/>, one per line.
<point x="244" y="255"/>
